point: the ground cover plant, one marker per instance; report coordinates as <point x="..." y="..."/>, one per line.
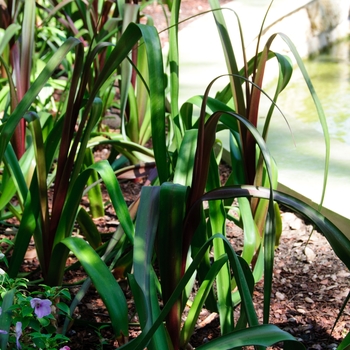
<point x="99" y="58"/>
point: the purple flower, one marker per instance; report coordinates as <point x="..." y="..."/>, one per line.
<point x="18" y="334"/>
<point x="41" y="307"/>
<point x="4" y="332"/>
<point x="65" y="348"/>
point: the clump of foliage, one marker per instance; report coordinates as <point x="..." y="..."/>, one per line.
<point x="83" y="60"/>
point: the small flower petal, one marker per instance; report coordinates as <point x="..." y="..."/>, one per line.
<point x="18" y="334"/>
<point x="2" y="332"/>
<point x="65" y="348"/>
<point x="42" y="307"/>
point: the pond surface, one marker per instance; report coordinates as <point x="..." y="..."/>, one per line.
<point x="330" y="75"/>
<point x="299" y="152"/>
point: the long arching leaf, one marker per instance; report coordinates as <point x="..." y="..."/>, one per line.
<point x="22" y="107"/>
<point x="104" y="282"/>
<point x="261" y="335"/>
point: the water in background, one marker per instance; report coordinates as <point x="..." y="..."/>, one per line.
<point x="330" y="75"/>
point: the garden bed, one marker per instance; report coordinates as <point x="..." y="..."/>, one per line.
<point x="309" y="287"/>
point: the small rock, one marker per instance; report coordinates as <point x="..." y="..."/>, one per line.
<point x="343" y="273"/>
<point x="280" y="296"/>
<point x="310" y="254"/>
<point x="334" y="277"/>
<point x="309" y="300"/>
<point x="301" y="311"/>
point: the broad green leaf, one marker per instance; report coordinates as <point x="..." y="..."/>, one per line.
<point x="170" y="254"/>
<point x="251" y="233"/>
<point x="130" y="14"/>
<point x="30" y="96"/>
<point x="143" y="280"/>
<point x="318" y="107"/>
<point x="94" y="193"/>
<point x="70" y="210"/>
<point x="199" y="300"/>
<point x="156" y="84"/>
<point x="217" y="219"/>
<point x="5" y="317"/>
<point x="104" y="282"/>
<point x="141" y="342"/>
<point x="27" y="43"/>
<point x="261" y="335"/>
<point x="175" y="129"/>
<point x="25" y="231"/>
<point x="7" y="36"/>
<point x="338" y="241"/>
<point x="41" y="173"/>
<point x="18" y="171"/>
<point x="231" y="63"/>
<point x="345" y="344"/>
<point x="89" y="229"/>
<point x="185" y="161"/>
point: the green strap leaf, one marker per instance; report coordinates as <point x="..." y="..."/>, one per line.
<point x="143" y="279"/>
<point x="22" y="107"/>
<point x="200" y="298"/>
<point x="261" y="335"/>
<point x="104" y="282"/>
